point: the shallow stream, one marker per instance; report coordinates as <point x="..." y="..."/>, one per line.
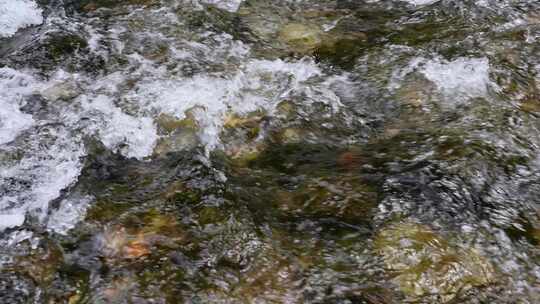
<point x="257" y="151"/>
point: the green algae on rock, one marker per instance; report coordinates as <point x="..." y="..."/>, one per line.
<point x="177" y="134"/>
<point x="423" y="263"/>
<point x="64" y="45"/>
<point x="343" y="198"/>
<point x="302" y="38"/>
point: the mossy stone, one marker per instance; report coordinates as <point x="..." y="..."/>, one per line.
<point x="92" y="5"/>
<point x="425" y="264"/>
<point x="341" y="49"/>
<point x="67" y="44"/>
<point x="302" y="38"/>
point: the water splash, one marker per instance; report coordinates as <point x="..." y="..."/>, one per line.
<point x="13" y="85"/>
<point x="17" y="14"/>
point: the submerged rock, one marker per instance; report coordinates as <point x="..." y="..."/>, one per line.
<point x="290" y="30"/>
<point x="118" y="243"/>
<point x="301" y="38"/>
<point x="93" y="5"/>
<point x="65" y="91"/>
<point x="241" y="134"/>
<point x="351" y="159"/>
<point x="343" y="198"/>
<point x="141" y="236"/>
<point x="272" y="277"/>
<point x="341" y="48"/>
<point x="531" y="105"/>
<point x="118" y="290"/>
<point x="416" y="92"/>
<point x="291" y="136"/>
<point x="177" y="135"/>
<point x="57" y="49"/>
<point x="262" y="20"/>
<point x="302" y="160"/>
<point x="425" y="264"/>
<point x="42" y="264"/>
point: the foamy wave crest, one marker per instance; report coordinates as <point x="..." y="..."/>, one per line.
<point x="457" y="80"/>
<point x="258" y="85"/>
<point x="13" y="86"/>
<point x="17" y="14"/>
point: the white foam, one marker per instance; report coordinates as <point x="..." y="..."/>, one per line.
<point x="463" y="77"/>
<point x="16" y="237"/>
<point x="50" y="162"/>
<point x="94" y="40"/>
<point x="70" y="212"/>
<point x="11" y="220"/>
<point x="457" y="80"/>
<point x="47" y="156"/>
<point x="228" y="5"/>
<point x="13" y="87"/>
<point x="420" y="2"/>
<point x="45" y="161"/>
<point x="258" y="85"/>
<point x="12" y="121"/>
<point x="130" y="135"/>
<point x="16" y="14"/>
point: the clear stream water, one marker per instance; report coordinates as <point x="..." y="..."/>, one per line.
<point x="286" y="151"/>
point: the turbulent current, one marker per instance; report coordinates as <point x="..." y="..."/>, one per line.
<point x="269" y="151"/>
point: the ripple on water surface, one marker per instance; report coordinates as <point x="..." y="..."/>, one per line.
<point x="269" y="151"/>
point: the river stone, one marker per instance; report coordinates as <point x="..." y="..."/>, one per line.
<point x="42" y="264"/>
<point x="181" y="140"/>
<point x="262" y="19"/>
<point x="530" y="105"/>
<point x="343" y="197"/>
<point x="93" y="5"/>
<point x="61" y="91"/>
<point x="177" y="134"/>
<point x="309" y="32"/>
<point x="152" y="230"/>
<point x="416" y="91"/>
<point x="241" y="134"/>
<point x="301" y="38"/>
<point x="427" y="264"/>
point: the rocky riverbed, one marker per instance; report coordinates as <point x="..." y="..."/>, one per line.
<point x="256" y="151"/>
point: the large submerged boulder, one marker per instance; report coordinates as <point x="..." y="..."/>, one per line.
<point x="426" y="264"/>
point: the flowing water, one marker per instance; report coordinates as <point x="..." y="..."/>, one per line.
<point x="284" y="151"/>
